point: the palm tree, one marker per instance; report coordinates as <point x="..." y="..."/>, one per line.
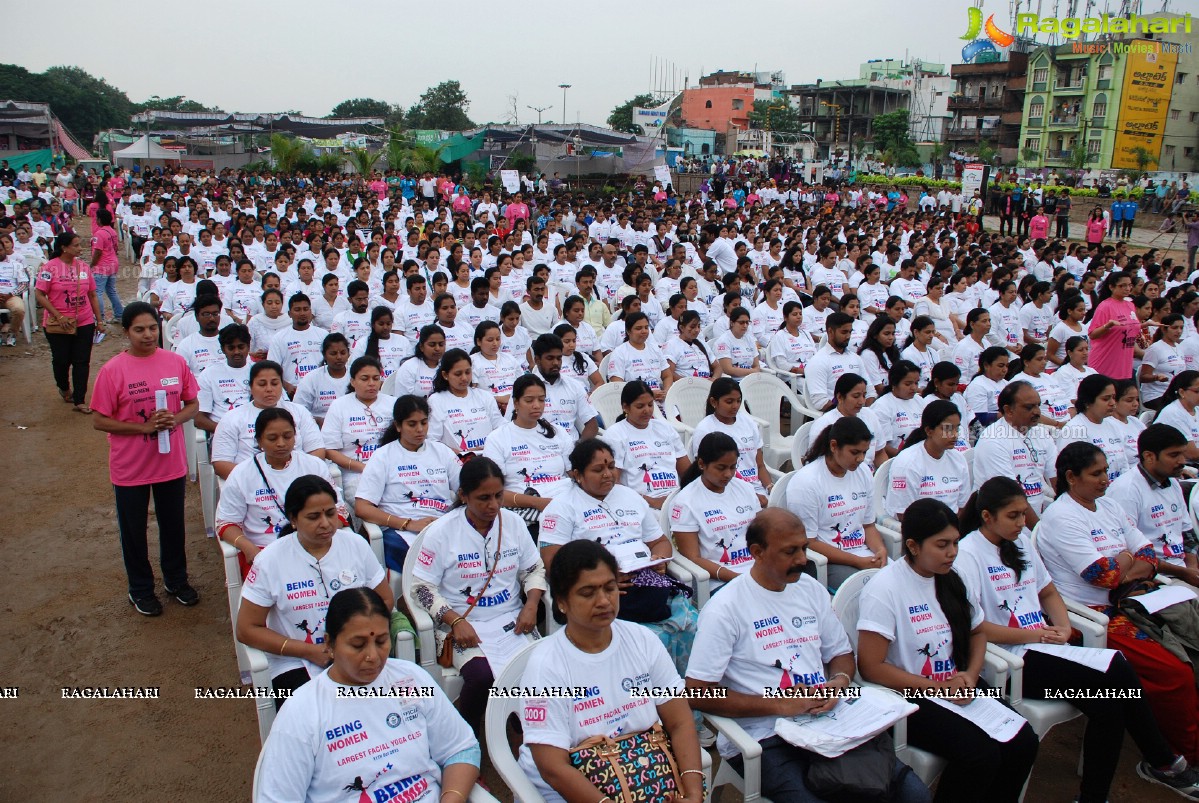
<point x="330" y="162"/>
<point x="286" y="152"/>
<point x="362" y="160"/>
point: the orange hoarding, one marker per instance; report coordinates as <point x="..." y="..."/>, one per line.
<point x="1144" y="103"/>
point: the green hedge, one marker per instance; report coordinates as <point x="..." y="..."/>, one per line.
<point x="932" y="183"/>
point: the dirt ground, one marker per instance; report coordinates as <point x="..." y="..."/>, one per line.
<point x="68" y="623"/>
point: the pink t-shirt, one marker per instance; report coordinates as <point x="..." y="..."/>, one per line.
<point x="124" y="391"/>
<point x="379" y="187"/>
<point x="1096" y="230"/>
<point x="1038" y="227"/>
<point x="104" y="240"/>
<point x="68" y="287"/>
<point x="1111" y="354"/>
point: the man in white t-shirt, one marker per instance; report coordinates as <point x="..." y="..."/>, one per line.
<point x="1151" y="495"/>
<point x="832" y="361"/>
<point x="768" y="637"/>
<point x="1015" y="446"/>
<point x="566" y="403"/>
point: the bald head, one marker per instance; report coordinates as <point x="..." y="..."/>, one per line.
<point x="777" y="541"/>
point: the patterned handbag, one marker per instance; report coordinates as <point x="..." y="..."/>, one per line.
<point x="637" y="768"/>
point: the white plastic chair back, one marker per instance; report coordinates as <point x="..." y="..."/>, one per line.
<point x="799" y="444"/>
<point x="448" y="677"/>
<point x="495" y="730"/>
<point x="778" y="495"/>
<point x="603" y="366"/>
<point x="170" y="330"/>
<point x="689" y="396"/>
<point x="389" y="384"/>
<point x="888" y="527"/>
<point x="606" y="399"/>
<point x="764" y="394"/>
<point x="1147" y="416"/>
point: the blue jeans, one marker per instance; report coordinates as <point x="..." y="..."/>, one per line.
<point x="106" y="287"/>
<point x="395" y="549"/>
<point x="785" y="765"/>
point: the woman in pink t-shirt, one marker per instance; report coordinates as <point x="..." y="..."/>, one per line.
<point x="104" y="266"/>
<point x="1038" y="227"/>
<point x="1114" y="329"/>
<point x="66" y="290"/>
<point x="127" y="407"/>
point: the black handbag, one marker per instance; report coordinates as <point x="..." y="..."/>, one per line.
<point x="648" y="600"/>
<point x="861" y="775"/>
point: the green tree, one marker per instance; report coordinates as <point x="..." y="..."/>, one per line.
<point x="621" y="118"/>
<point x="441" y="107"/>
<point x="1144" y="158"/>
<point x="369" y="107"/>
<point x="85" y="104"/>
<point x="287" y="153"/>
<point x="176" y="103"/>
<point x="774" y="115"/>
<point x="362" y="160"/>
<point x="1030" y="156"/>
<point x="987" y="151"/>
<point x="891" y="130"/>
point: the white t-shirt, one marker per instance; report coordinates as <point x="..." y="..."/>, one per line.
<point x="1061" y="333"/>
<point x="965" y="355"/>
<point x="899" y="416"/>
<point x="901" y="606"/>
<point x="463" y="423"/>
<point x="751" y="639"/>
<point x="982" y="395"/>
<point x="915" y="474"/>
<point x="296" y="588"/>
<point x="1071" y="538"/>
<point x="354" y="428"/>
<point x="234" y="441"/>
<point x="1159" y="513"/>
<point x="1108" y="435"/>
<point x="392" y="351"/>
<point x="879" y="429"/>
<point x="1053" y="401"/>
<point x="409" y="484"/>
<point x="834" y="510"/>
<point x="532" y="463"/>
<point x="634" y="658"/>
<point x="1037" y="322"/>
<point x="354" y="325"/>
<point x="740" y="351"/>
<point x="414" y="377"/>
<point x="1006" y="600"/>
<point x="298" y="352"/>
<point x="456" y="559"/>
<point x="1132" y="428"/>
<point x="494" y="376"/>
<point x="825" y="368"/>
<point x="323" y="745"/>
<point x="222" y="388"/>
<point x="924" y="360"/>
<point x="619" y="518"/>
<point x="744" y="431"/>
<point x="1166" y="360"/>
<point x="720" y="519"/>
<point x="787" y="352"/>
<point x="566" y="405"/>
<point x="517" y="346"/>
<point x="1175" y="415"/>
<point x="200" y="352"/>
<point x="1006" y="329"/>
<point x="1002" y="451"/>
<point x="688" y="359"/>
<point x="256" y="505"/>
<point x="318" y="390"/>
<point x="629" y="363"/>
<point x="647" y="458"/>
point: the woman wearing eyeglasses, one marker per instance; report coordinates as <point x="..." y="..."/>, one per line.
<point x="286" y="594"/>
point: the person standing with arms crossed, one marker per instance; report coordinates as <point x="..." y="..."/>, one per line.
<point x="129" y="405"/>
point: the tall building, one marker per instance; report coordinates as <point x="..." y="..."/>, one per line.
<point x="987" y="105"/>
<point x="1113" y="97"/>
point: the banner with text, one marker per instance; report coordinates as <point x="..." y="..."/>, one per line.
<point x="1144" y="102"/>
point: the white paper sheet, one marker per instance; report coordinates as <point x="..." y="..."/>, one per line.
<point x="499" y="642"/>
<point x="1093" y="657"/>
<point x="1000" y="722"/>
<point x="1164" y="597"/>
<point x="634" y="555"/>
<point x="853" y="722"/>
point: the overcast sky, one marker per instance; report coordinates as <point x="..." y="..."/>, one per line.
<point x="254" y="56"/>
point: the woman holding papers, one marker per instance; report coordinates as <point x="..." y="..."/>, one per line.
<point x="1091" y="548"/>
<point x="919" y="629"/>
<point x="1020" y="603"/>
<point x="474" y="565"/>
<point x="596" y="508"/>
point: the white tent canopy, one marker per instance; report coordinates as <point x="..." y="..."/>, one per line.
<point x="146" y="150"/>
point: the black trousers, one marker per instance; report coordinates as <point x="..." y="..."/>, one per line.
<point x="1106" y="719"/>
<point x="289" y="681"/>
<point x="133" y="507"/>
<point x="71" y="357"/>
<point x="1063" y="227"/>
<point x="980" y="768"/>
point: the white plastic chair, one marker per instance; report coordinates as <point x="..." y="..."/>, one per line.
<point x="389" y="384"/>
<point x="888" y="526"/>
<point x="700" y="578"/>
<point x="495" y="733"/>
<point x="30" y="312"/>
<point x="689" y="396"/>
<point x="193" y="442"/>
<point x="1147" y="416"/>
<point x="778" y="498"/>
<point x="606" y="399"/>
<point x="763" y="395"/>
<point x="170" y="330"/>
<point x="1078" y="609"/>
<point x="603" y="366"/>
<point x="799" y="444"/>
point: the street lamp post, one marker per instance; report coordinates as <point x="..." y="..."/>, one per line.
<point x="578" y="143"/>
<point x="564" y="87"/>
<point x="539" y="110"/>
